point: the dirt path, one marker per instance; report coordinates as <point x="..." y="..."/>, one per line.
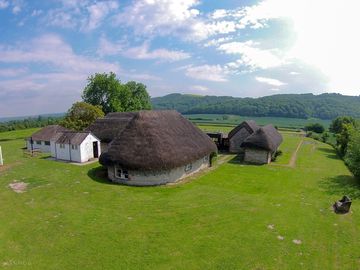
<point x="293" y="158"/>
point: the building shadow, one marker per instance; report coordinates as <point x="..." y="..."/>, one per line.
<point x="342" y="185"/>
<point x="331" y="153"/>
<point x="99" y="174"/>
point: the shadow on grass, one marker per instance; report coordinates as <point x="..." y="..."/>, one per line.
<point x="342" y="185"/>
<point x="12" y="139"/>
<point x="331" y="152"/>
<point x="99" y="174"/>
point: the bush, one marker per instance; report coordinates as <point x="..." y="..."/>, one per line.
<point x="318" y="128"/>
<point x="277" y="154"/>
<point x="352" y="157"/>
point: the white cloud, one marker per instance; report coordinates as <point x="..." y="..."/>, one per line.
<point x="270" y="81"/>
<point x="4" y="4"/>
<point x="199" y="88"/>
<point x="214" y="73"/>
<point x="142" y="52"/>
<point x="158" y="17"/>
<point x="251" y="55"/>
<point x="53" y="50"/>
<point x="97" y="12"/>
<point x="85" y="15"/>
<point x="12" y="72"/>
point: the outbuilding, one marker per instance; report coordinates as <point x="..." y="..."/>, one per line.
<point x="238" y="135"/>
<point x="75" y="146"/>
<point x="157" y="147"/>
<point x="262" y="145"/>
<point x="40" y="140"/>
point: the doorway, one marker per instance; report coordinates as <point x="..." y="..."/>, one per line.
<point x="95" y="149"/>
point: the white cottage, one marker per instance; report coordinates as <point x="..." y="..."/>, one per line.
<point x="75" y="146"/>
<point x="40" y="140"/>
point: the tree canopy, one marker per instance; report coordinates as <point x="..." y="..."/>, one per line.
<point x="324" y="106"/>
<point x="108" y="92"/>
<point x="81" y="115"/>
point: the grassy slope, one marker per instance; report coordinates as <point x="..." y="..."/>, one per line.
<point x="68" y="220"/>
<point x="217" y="119"/>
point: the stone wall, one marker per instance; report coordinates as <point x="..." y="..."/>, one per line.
<point x="153" y="178"/>
<point x="237" y="140"/>
<point x="257" y="156"/>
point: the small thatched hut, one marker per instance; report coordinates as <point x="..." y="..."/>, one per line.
<point x="238" y="135"/>
<point x="107" y="128"/>
<point x="261" y="145"/>
<point x="157" y="147"/>
<point x="40" y="140"/>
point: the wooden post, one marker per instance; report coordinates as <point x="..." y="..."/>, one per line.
<point x="1" y="158"/>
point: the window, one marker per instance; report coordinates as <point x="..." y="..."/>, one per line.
<point x="47" y="143"/>
<point x="38" y="142"/>
<point x="62" y="146"/>
<point x="188" y="167"/>
<point x="206" y="159"/>
<point x="74" y="147"/>
<point x="122" y="174"/>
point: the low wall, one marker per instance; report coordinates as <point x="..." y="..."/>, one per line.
<point x="153" y="178"/>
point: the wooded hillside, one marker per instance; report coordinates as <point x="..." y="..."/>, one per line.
<point x="324" y="106"/>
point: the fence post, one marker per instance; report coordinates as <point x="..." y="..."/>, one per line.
<point x="1" y="158"/>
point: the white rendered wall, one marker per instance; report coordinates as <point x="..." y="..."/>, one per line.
<point x="137" y="178"/>
<point x="42" y="147"/>
<point x="86" y="148"/>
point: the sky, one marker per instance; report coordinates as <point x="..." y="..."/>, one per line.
<point x="242" y="48"/>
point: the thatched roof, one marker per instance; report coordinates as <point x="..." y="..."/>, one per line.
<point x="72" y="137"/>
<point x="266" y="137"/>
<point x="250" y="125"/>
<point x="158" y="140"/>
<point x="47" y="133"/>
<point x="111" y="125"/>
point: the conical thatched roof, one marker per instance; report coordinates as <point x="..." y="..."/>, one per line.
<point x="47" y="133"/>
<point x="158" y="140"/>
<point x="107" y="128"/>
<point x="250" y="125"/>
<point x="266" y="137"/>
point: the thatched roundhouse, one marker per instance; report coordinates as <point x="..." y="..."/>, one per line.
<point x="238" y="135"/>
<point x="107" y="128"/>
<point x="40" y="140"/>
<point x="261" y="145"/>
<point x="157" y="147"/>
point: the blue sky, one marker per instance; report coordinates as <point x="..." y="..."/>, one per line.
<point x="208" y="47"/>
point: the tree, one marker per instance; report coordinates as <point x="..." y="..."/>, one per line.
<point x="337" y="124"/>
<point x="342" y="138"/>
<point x="318" y="128"/>
<point x="81" y="115"/>
<point x="113" y="96"/>
<point x="352" y="157"/>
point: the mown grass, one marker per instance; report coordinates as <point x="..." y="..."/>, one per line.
<point x="70" y="218"/>
<point x="230" y="120"/>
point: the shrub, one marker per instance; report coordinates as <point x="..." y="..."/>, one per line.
<point x="276" y="155"/>
<point x="318" y="128"/>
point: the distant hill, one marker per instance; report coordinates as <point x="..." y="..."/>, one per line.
<point x="324" y="106"/>
<point x="19" y="118"/>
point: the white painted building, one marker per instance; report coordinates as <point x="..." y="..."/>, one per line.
<point x="75" y="146"/>
<point x="40" y="140"/>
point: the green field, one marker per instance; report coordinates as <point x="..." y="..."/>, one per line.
<point x="233" y="120"/>
<point x="233" y="217"/>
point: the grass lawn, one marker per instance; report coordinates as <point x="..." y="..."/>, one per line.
<point x="225" y="119"/>
<point x="234" y="217"/>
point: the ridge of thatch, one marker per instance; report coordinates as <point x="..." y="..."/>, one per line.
<point x="266" y="137"/>
<point x="47" y="133"/>
<point x="158" y="140"/>
<point x="72" y="137"/>
<point x="111" y="125"/>
<point x="250" y="125"/>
